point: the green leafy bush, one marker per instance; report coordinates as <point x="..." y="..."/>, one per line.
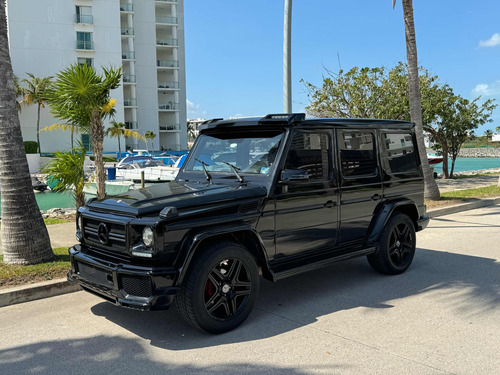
<point x="31" y="147"/>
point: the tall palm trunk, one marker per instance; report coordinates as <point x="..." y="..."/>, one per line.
<point x="25" y="239"/>
<point x="431" y="190"/>
<point x="119" y="149"/>
<point x="38" y="129"/>
<point x="97" y="135"/>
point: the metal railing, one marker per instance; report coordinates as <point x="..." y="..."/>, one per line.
<point x="130" y="102"/>
<point x="83" y="18"/>
<point x="85" y="44"/>
<point x="168" y="106"/>
<point x="124" y="7"/>
<point x="167" y="63"/>
<point x="131" y="125"/>
<point x="170" y="127"/>
<point x="128" y="79"/>
<point x="172" y="147"/>
<point x="167" y="42"/>
<point x="127" y="31"/>
<point x="166" y="1"/>
<point x="167" y="20"/>
<point x="128" y="55"/>
<point x="168" y="85"/>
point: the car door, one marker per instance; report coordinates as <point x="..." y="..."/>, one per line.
<point x="360" y="183"/>
<point x="306" y="196"/>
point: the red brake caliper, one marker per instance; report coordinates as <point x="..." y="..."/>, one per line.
<point x="209" y="288"/>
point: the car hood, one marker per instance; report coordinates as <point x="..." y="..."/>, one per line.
<point x="183" y="196"/>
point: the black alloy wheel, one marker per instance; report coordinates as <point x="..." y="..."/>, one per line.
<point x="220" y="288"/>
<point x="396" y="246"/>
<point x="227" y="289"/>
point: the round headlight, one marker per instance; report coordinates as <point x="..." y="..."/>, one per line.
<point x="148" y="236"/>
<point x="80" y="222"/>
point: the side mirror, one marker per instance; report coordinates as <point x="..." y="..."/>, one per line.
<point x="294" y="175"/>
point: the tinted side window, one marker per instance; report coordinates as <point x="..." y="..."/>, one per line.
<point x="311" y="152"/>
<point x="357" y="154"/>
<point x="400" y="152"/>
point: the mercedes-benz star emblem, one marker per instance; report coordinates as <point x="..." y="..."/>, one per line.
<point x="103" y="233"/>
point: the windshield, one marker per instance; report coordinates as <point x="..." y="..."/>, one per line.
<point x="248" y="153"/>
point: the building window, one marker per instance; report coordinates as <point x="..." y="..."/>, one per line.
<point x="84" y="41"/>
<point x="85" y="61"/>
<point x="86" y="142"/>
<point x="84" y="15"/>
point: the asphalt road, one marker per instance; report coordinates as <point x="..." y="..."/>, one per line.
<point x="442" y="316"/>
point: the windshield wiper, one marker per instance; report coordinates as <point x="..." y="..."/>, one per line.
<point x="205" y="165"/>
<point x="235" y="169"/>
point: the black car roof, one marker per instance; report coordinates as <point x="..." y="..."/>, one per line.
<point x="298" y="119"/>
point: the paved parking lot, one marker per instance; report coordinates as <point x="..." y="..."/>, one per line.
<point x="442" y="316"/>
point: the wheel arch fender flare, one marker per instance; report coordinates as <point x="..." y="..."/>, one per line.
<point x="405" y="206"/>
<point x="191" y="245"/>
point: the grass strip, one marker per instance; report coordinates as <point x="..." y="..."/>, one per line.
<point x="12" y="275"/>
<point x="463" y="196"/>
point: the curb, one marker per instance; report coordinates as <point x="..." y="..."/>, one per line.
<point x="31" y="292"/>
<point x="463" y="207"/>
<point x="53" y="288"/>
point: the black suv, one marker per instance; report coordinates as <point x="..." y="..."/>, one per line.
<point x="272" y="196"/>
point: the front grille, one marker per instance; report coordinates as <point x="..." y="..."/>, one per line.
<point x="116" y="234"/>
<point x="139" y="286"/>
<point x="95" y="275"/>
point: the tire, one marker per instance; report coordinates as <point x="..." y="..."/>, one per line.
<point x="396" y="246"/>
<point x="220" y="289"/>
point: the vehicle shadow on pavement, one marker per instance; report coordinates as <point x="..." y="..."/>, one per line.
<point x="465" y="285"/>
<point x="117" y="355"/>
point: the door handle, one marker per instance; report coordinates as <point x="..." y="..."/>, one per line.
<point x="330" y="204"/>
<point x="376" y="197"/>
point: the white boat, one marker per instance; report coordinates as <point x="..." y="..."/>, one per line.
<point x="112" y="187"/>
<point x="132" y="166"/>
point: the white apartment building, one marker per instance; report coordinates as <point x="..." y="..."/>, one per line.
<point x="145" y="37"/>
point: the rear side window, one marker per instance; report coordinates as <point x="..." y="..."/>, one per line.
<point x="310" y="152"/>
<point x="357" y="156"/>
<point x="400" y="152"/>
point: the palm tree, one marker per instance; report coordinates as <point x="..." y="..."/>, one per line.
<point x="431" y="190"/>
<point x="72" y="128"/>
<point x="80" y="96"/>
<point x="35" y="93"/>
<point x="67" y="168"/>
<point x="119" y="129"/>
<point x="25" y="239"/>
<point x="18" y="91"/>
<point x="150" y="135"/>
<point x="191" y="131"/>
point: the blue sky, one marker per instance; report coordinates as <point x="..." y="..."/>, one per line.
<point x="234" y="48"/>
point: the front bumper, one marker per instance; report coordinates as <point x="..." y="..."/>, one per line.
<point x="422" y="223"/>
<point x="127" y="285"/>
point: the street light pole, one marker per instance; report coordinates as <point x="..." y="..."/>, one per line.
<point x="287" y="63"/>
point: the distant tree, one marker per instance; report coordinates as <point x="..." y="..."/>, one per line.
<point x="25" y="239"/>
<point x="150" y="135"/>
<point x="35" y="92"/>
<point x="191" y="131"/>
<point x="67" y="168"/>
<point x="118" y="129"/>
<point x="488" y="134"/>
<point x="456" y="123"/>
<point x="81" y="97"/>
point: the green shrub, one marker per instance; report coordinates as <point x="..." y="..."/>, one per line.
<point x="31" y="147"/>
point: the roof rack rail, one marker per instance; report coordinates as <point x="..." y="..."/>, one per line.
<point x="211" y="121"/>
<point x="283" y="118"/>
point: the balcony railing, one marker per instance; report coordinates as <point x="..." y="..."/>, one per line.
<point x="166" y="1"/>
<point x="170" y="127"/>
<point x="128" y="79"/>
<point x="127" y="31"/>
<point x="130" y="102"/>
<point x="167" y="63"/>
<point x="168" y="85"/>
<point x="131" y="125"/>
<point x="83" y="18"/>
<point x="167" y="42"/>
<point x="172" y="147"/>
<point x="126" y="7"/>
<point x="167" y="20"/>
<point x="168" y="107"/>
<point x="128" y="55"/>
<point x="85" y="44"/>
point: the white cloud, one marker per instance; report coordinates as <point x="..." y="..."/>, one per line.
<point x="484" y="89"/>
<point x="492" y="42"/>
<point x="194" y="111"/>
